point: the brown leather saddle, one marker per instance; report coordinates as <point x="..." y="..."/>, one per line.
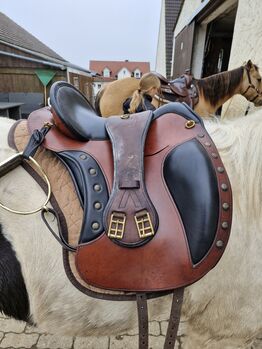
<point x="150" y="192"/>
<point x="182" y="89"/>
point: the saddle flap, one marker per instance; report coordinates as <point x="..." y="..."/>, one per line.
<point x="130" y="217"/>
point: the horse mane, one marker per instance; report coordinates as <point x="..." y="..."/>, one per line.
<point x="239" y="144"/>
<point x="216" y="87"/>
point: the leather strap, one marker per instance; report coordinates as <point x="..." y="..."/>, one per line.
<point x="142" y="320"/>
<point x="129" y="201"/>
<point x="173" y="323"/>
<point x="174" y="318"/>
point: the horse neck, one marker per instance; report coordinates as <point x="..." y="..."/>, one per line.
<point x="217" y="89"/>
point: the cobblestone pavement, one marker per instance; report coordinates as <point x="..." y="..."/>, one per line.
<point x="17" y="335"/>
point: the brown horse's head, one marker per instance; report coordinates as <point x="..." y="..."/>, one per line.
<point x="252" y="84"/>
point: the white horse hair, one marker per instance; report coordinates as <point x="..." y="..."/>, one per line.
<point x="221" y="311"/>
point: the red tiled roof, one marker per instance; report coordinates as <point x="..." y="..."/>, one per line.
<point x="116" y="66"/>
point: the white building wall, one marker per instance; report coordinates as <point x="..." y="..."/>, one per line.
<point x="123" y="73"/>
<point x="161" y="45"/>
<point x="247" y="44"/>
<point x="189" y="7"/>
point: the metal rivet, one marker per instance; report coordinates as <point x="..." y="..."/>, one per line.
<point x="97" y="205"/>
<point x="224" y="225"/>
<point x="201" y="135"/>
<point x="220" y="169"/>
<point x="190" y="124"/>
<point x="225" y="206"/>
<point x="208" y="144"/>
<point x="97" y="187"/>
<point x="83" y="156"/>
<point x="219" y="243"/>
<point x="95" y="225"/>
<point x="92" y="171"/>
<point x="125" y="116"/>
<point x="224" y="187"/>
<point x="214" y="155"/>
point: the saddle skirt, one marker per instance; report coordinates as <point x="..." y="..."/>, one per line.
<point x="173" y="179"/>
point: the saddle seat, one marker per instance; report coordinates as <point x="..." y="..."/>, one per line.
<point x="76" y="118"/>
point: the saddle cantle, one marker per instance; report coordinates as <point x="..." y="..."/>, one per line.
<point x="148" y="203"/>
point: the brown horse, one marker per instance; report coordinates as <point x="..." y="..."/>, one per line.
<point x="213" y="91"/>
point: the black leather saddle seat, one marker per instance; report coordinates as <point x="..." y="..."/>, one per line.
<point x="77" y="114"/>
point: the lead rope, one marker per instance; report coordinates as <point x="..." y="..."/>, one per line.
<point x="173" y="323"/>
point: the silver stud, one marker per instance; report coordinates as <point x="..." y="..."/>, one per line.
<point x="201" y="135"/>
<point x="92" y="171"/>
<point x="224" y="187"/>
<point x="224" y="225"/>
<point x="97" y="187"/>
<point x="97" y="205"/>
<point x="214" y="155"/>
<point x="219" y="243"/>
<point x="225" y="206"/>
<point x="95" y="225"/>
<point x="220" y="169"/>
<point x="207" y="144"/>
<point x="83" y="156"/>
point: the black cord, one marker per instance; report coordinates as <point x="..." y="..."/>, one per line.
<point x="59" y="238"/>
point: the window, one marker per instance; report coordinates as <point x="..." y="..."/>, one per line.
<point x="137" y="74"/>
<point x="76" y="82"/>
<point x="106" y="73"/>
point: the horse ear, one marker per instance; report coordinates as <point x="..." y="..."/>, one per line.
<point x="249" y="64"/>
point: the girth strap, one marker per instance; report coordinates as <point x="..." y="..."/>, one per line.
<point x="142" y="320"/>
<point x="174" y="318"/>
<point x="173" y="323"/>
<point x="129" y="217"/>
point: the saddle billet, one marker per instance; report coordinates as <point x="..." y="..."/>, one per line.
<point x="184" y="180"/>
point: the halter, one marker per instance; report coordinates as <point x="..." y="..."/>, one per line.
<point x="251" y="86"/>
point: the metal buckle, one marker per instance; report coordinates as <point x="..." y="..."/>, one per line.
<point x="117" y="225"/>
<point x="144" y="224"/>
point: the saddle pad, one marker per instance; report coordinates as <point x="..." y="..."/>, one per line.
<point x="188" y="201"/>
<point x="66" y="202"/>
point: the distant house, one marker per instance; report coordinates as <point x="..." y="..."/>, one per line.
<point x="115" y="70"/>
<point x="28" y="68"/>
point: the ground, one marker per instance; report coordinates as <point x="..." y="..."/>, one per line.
<point x="16" y="334"/>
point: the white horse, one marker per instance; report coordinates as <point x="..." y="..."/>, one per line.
<point x="221" y="311"/>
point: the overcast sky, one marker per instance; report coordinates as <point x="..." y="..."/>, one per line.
<point x="83" y="30"/>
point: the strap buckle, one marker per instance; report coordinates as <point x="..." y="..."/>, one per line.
<point x="117" y="225"/>
<point x="144" y="224"/>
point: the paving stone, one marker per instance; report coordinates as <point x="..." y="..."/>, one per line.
<point x="163" y="326"/>
<point x="15" y="340"/>
<point x="34" y="329"/>
<point x="48" y="341"/>
<point x="132" y="332"/>
<point x="156" y="342"/>
<point x="123" y="342"/>
<point x="11" y="325"/>
<point x="91" y="343"/>
<point x="154" y="328"/>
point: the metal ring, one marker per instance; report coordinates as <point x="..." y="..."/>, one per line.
<point x="19" y="157"/>
<point x="125" y="116"/>
<point x="190" y="124"/>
